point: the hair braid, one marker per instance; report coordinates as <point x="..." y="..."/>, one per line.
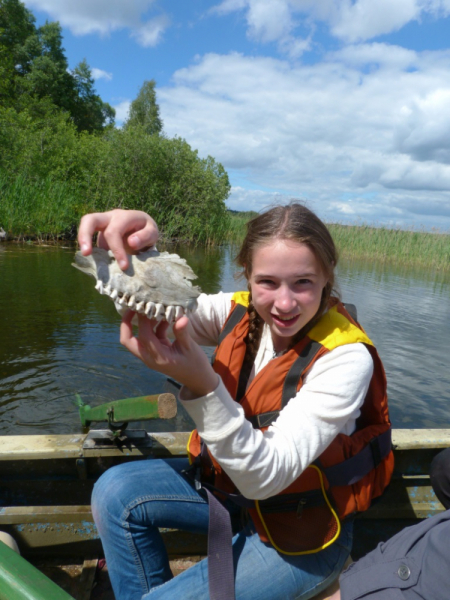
<point x="253" y="338"/>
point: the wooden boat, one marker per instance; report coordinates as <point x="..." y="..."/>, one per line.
<point x="46" y="483"/>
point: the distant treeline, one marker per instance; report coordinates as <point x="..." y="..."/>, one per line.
<point x="62" y="156"/>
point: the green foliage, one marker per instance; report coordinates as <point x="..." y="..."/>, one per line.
<point x="42" y="209"/>
<point x="61" y="157"/>
<point x="393" y="245"/>
<point x="48" y="146"/>
<point x="166" y="178"/>
<point x="90" y="113"/>
<point x="35" y="69"/>
<point x="144" y="110"/>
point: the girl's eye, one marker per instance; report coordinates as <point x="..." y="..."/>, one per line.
<point x="303" y="281"/>
<point x="266" y="282"/>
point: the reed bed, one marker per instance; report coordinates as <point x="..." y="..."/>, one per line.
<point x="46" y="210"/>
<point x="395" y="246"/>
<point x="39" y="210"/>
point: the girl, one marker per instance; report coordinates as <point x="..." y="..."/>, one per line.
<point x="291" y="418"/>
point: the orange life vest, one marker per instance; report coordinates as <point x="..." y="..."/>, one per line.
<point x="353" y="470"/>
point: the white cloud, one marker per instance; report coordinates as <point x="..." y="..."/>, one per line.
<point x="106" y="16"/>
<point x="100" y="74"/>
<point x="366" y="122"/>
<point x="150" y="33"/>
<point x="349" y="20"/>
<point x="122" y="109"/>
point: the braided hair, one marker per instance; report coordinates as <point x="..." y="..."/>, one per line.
<point x="291" y="222"/>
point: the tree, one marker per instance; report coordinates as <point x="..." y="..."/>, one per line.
<point x="90" y="112"/>
<point x="34" y="68"/>
<point x="144" y="110"/>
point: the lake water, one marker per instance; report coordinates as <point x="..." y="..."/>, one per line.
<point x="59" y="338"/>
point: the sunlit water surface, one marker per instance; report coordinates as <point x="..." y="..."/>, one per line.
<point x="59" y="338"/>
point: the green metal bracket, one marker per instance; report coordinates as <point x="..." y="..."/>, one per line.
<point x="119" y="413"/>
<point x="19" y="580"/>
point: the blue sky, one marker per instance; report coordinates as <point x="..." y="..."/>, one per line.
<point x="343" y="104"/>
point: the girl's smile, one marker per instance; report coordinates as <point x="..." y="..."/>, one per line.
<point x="286" y="283"/>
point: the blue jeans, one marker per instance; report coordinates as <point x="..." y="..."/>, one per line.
<point x="131" y="501"/>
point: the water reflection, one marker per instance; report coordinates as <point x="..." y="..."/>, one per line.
<point x="59" y="337"/>
<point x="406" y="313"/>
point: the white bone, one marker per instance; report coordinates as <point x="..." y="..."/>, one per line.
<point x="150" y="309"/>
<point x="159" y="312"/>
<point x="155" y="278"/>
<point x="170" y="314"/>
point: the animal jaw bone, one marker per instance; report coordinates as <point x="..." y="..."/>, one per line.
<point x="156" y="284"/>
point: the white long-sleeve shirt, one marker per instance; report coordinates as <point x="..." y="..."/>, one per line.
<point x="262" y="464"/>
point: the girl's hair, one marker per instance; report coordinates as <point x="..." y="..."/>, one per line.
<point x="292" y="222"/>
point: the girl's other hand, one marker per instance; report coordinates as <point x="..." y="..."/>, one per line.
<point x="181" y="359"/>
<point x="121" y="231"/>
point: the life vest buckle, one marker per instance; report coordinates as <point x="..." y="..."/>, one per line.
<point x="301" y="505"/>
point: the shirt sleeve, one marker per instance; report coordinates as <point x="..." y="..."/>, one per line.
<point x="207" y="320"/>
<point x="262" y="464"/>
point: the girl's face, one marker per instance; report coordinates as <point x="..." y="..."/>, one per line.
<point x="286" y="283"/>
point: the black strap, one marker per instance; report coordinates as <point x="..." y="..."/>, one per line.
<point x="353" y="469"/>
<point x="352" y="311"/>
<point x="238" y="313"/>
<point x="263" y="419"/>
<point x="220" y="551"/>
<point x="292" y="380"/>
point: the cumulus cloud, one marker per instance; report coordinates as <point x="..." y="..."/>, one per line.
<point x="106" y="16"/>
<point x="100" y="74"/>
<point x="122" y="109"/>
<point x="349" y="20"/>
<point x="345" y="133"/>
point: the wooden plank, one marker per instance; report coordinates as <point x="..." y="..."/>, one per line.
<point x="36" y="447"/>
<point x="26" y="447"/>
<point x="410" y="439"/>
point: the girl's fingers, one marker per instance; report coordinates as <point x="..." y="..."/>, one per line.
<point x="121" y="231"/>
<point x="89" y="225"/>
<point x="181" y="332"/>
<point x="144" y="236"/>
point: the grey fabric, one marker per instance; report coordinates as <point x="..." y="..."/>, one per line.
<point x="413" y="565"/>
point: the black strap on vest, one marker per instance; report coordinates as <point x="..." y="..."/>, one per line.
<point x="351" y="309"/>
<point x="235" y="317"/>
<point x="353" y="469"/>
<point x="220" y="551"/>
<point x="290" y="385"/>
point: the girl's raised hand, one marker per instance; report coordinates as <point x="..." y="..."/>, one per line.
<point x="121" y="231"/>
<point x="181" y="359"/>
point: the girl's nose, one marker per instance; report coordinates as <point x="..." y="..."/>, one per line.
<point x="285" y="300"/>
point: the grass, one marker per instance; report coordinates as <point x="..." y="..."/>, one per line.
<point x="46" y="210"/>
<point x="40" y="210"/>
<point x="393" y="246"/>
<point x="396" y="246"/>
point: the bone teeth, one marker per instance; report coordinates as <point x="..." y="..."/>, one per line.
<point x="99" y="286"/>
<point x="114" y="294"/>
<point x="150" y="309"/>
<point x="179" y="312"/>
<point x="123" y="300"/>
<point x="170" y="314"/>
<point x="139" y="307"/>
<point x="132" y="302"/>
<point x="159" y="312"/>
<point x="107" y="290"/>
